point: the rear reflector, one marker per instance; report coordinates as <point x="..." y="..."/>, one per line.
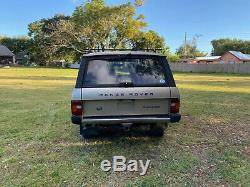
<point x="175" y="105"/>
<point x="76" y="108"/>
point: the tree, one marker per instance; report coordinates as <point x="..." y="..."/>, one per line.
<point x="222" y="46"/>
<point x="147" y="40"/>
<point x="189" y="50"/>
<point x="93" y="25"/>
<point x="15" y="44"/>
<point x="170" y="56"/>
<point x="42" y="46"/>
<point x="102" y="26"/>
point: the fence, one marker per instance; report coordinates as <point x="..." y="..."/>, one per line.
<point x="211" y="68"/>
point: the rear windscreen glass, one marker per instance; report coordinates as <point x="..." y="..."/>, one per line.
<point x="118" y="72"/>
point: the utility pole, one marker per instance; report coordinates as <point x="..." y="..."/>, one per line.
<point x="185" y="46"/>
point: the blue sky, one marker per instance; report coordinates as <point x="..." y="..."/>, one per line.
<point x="212" y="19"/>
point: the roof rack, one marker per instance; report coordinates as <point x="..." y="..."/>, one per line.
<point x="86" y="51"/>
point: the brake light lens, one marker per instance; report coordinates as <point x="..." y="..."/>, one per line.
<point x="76" y="108"/>
<point x="175" y="105"/>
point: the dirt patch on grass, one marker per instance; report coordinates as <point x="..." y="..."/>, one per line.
<point x="217" y="145"/>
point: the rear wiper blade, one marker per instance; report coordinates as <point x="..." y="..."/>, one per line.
<point x="126" y="84"/>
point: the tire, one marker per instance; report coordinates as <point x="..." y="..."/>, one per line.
<point x="156" y="132"/>
<point x="88" y="132"/>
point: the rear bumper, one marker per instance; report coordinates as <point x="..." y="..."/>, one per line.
<point x="172" y="118"/>
<point x="120" y="120"/>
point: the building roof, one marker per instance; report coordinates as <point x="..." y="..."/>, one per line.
<point x="4" y="51"/>
<point x="208" y="58"/>
<point x="240" y="55"/>
<point x="107" y="53"/>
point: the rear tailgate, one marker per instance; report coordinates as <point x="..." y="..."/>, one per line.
<point x="125" y="101"/>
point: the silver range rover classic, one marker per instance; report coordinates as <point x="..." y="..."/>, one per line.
<point x="124" y="89"/>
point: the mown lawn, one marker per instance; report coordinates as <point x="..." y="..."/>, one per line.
<point x="40" y="147"/>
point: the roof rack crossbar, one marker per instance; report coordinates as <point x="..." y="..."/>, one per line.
<point x="111" y="49"/>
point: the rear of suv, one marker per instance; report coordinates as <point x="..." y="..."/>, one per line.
<point x="124" y="89"/>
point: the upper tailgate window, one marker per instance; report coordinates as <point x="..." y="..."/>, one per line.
<point x="116" y="72"/>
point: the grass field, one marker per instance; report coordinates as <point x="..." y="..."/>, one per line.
<point x="40" y="147"/>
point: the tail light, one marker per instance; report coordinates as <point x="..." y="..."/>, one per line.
<point x="175" y="105"/>
<point x="76" y="108"/>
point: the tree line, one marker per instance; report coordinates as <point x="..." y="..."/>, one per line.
<point x="223" y="45"/>
<point x="95" y="25"/>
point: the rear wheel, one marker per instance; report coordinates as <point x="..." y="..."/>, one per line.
<point x="88" y="132"/>
<point x="156" y="131"/>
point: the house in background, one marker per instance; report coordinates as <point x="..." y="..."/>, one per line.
<point x="230" y="57"/>
<point x="21" y="56"/>
<point x="6" y="56"/>
<point x="207" y="60"/>
<point x="234" y="57"/>
<point x="75" y="65"/>
<point x="186" y="60"/>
